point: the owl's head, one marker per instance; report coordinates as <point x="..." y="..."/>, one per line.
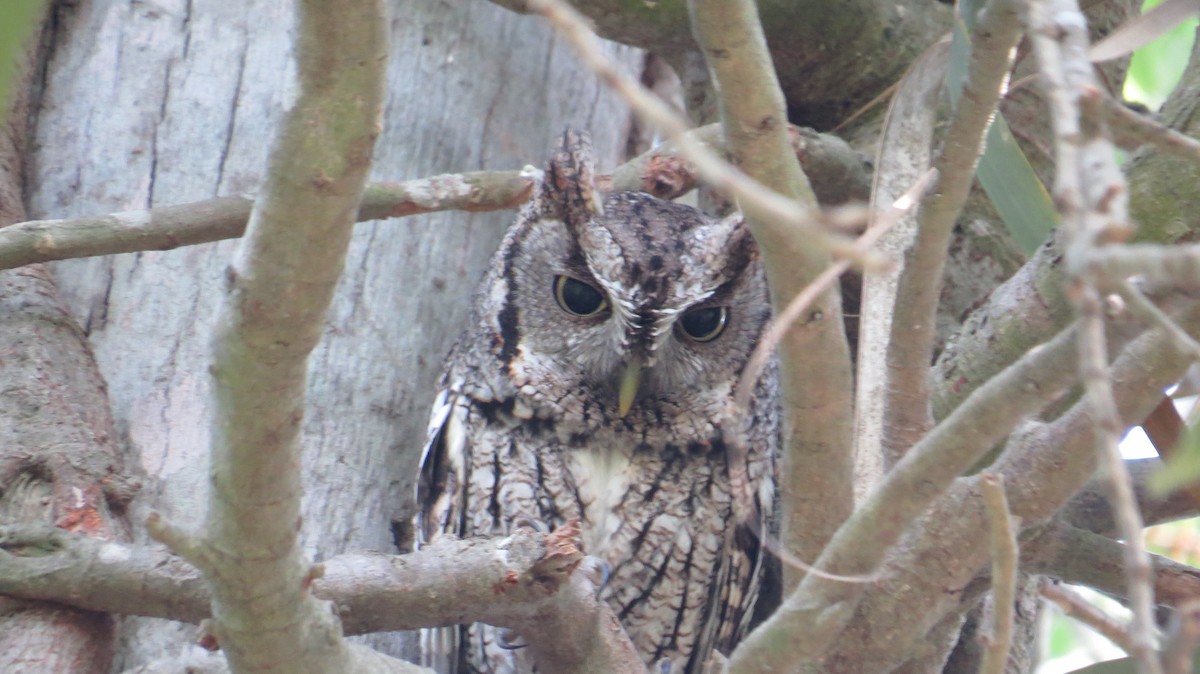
<point x="626" y="307"/>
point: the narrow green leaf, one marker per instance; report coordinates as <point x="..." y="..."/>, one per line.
<point x="1156" y="68"/>
<point x="16" y="21"/>
<point x="1142" y="30"/>
<point x="1018" y="195"/>
<point x="1118" y="666"/>
<point x="1123" y="666"/>
<point x="1182" y="469"/>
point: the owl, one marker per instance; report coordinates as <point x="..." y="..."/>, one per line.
<point x="595" y="383"/>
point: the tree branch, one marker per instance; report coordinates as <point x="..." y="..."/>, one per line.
<point x="1091" y="195"/>
<point x="816" y="482"/>
<point x="1032" y="305"/>
<point x="279" y="286"/>
<point x="908" y="415"/>
<point x="752" y="197"/>
<point x="833" y="56"/>
<point x="527" y="582"/>
<point x="904" y="151"/>
<point x="1077" y="607"/>
<point x="1042" y="466"/>
<point x="60" y="459"/>
<point x="225" y="217"/>
<point x="1084" y="558"/>
<point x="1132" y="128"/>
<point x="1004" y="552"/>
<point x="840" y="170"/>
<point x="813" y="615"/>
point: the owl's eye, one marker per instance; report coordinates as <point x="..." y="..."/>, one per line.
<point x="705" y="324"/>
<point x="578" y="298"/>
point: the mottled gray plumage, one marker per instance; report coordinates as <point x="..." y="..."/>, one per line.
<point x="527" y="422"/>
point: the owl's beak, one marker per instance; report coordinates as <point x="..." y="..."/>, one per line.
<point x="629" y="385"/>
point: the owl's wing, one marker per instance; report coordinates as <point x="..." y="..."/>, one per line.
<point x="442" y="476"/>
<point x="440" y="501"/>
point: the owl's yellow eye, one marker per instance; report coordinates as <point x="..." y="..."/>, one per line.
<point x="578" y="298"/>
<point x="705" y="324"/>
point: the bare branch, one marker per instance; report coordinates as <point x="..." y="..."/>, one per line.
<point x="1090" y="510"/>
<point x="280" y="284"/>
<point x="904" y="151"/>
<point x="787" y="215"/>
<point x="1146" y="310"/>
<point x="1032" y="305"/>
<point x="659" y="172"/>
<point x="1133" y="129"/>
<point x="1091" y="195"/>
<point x="222" y="218"/>
<point x="1157" y="265"/>
<point x="816" y="420"/>
<point x="1184" y="639"/>
<point x="813" y="614"/>
<point x="59" y="452"/>
<point x="1042" y="464"/>
<point x="523" y="582"/>
<point x="1084" y="558"/>
<point x="1080" y="609"/>
<point x="798" y="304"/>
<point x="836" y="170"/>
<point x="908" y="414"/>
<point x="1004" y="574"/>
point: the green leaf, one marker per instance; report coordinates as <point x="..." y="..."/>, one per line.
<point x="1182" y="469"/>
<point x="1156" y="68"/>
<point x="1118" y="666"/>
<point x="1018" y="195"/>
<point x="1123" y="666"/>
<point x="16" y="21"/>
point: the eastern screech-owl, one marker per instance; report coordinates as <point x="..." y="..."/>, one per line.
<point x="595" y="382"/>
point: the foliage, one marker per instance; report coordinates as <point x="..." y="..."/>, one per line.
<point x="1156" y="68"/>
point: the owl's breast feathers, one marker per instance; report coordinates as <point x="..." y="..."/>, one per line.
<point x="651" y="490"/>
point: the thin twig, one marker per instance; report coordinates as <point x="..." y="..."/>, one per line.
<point x="1091" y="194"/>
<point x="751" y="196"/>
<point x="1184" y="639"/>
<point x="1147" y="311"/>
<point x="1004" y="573"/>
<point x="766" y="345"/>
<point x="223" y="218"/>
<point x="1093" y="354"/>
<point x="1077" y="607"/>
<point x="1158" y="265"/>
<point x="1132" y="127"/>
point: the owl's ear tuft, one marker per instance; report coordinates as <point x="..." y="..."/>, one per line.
<point x="569" y="187"/>
<point x="732" y="237"/>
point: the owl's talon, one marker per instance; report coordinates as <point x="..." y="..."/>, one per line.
<point x="664" y="666"/>
<point x="508" y="640"/>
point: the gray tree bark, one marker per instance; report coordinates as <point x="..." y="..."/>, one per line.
<point x="151" y="104"/>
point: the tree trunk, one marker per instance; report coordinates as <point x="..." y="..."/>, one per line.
<point x="152" y="104"/>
